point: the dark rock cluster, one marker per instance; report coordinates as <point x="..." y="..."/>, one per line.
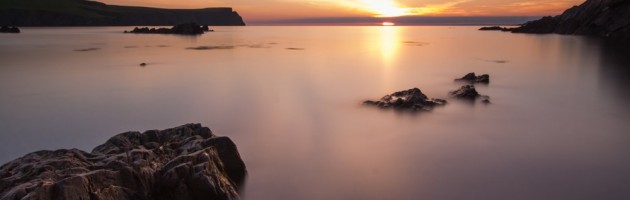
<point x="186" y="162"/>
<point x="604" y="18"/>
<point x="412" y="99"/>
<point x="9" y="29"/>
<point x="181" y="29"/>
<point x="469" y="92"/>
<point x="415" y="100"/>
<point x="473" y="78"/>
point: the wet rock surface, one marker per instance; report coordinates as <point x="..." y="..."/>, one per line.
<point x="9" y="29"/>
<point x="412" y="99"/>
<point x="473" y="78"/>
<point x="186" y="162"/>
<point x="182" y="29"/>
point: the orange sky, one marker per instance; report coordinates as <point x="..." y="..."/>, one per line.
<point x="257" y="10"/>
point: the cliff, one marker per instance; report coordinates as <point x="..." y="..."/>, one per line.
<point x="182" y="163"/>
<point x="605" y="18"/>
<point x="92" y="13"/>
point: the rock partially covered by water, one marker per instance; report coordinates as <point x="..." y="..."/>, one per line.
<point x="412" y="99"/>
<point x="473" y="78"/>
<point x="9" y="29"/>
<point x="182" y="29"/>
<point x="468" y="92"/>
<point x="186" y="162"/>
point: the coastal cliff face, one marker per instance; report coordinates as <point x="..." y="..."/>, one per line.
<point x="186" y="162"/>
<point x="606" y="18"/>
<point x="91" y="13"/>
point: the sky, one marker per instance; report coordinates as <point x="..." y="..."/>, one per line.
<point x="261" y="10"/>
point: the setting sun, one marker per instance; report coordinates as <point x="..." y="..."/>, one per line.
<point x="388" y="24"/>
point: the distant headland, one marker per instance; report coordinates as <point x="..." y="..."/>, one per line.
<point x="603" y="18"/>
<point x="92" y="13"/>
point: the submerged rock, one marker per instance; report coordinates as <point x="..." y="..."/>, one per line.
<point x="9" y="29"/>
<point x="412" y="99"/>
<point x="468" y="92"/>
<point x="182" y="29"/>
<point x="473" y="78"/>
<point x="186" y="162"/>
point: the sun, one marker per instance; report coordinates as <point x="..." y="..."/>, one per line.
<point x="385" y="8"/>
<point x="389" y="24"/>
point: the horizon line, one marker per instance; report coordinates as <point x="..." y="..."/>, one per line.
<point x="402" y="21"/>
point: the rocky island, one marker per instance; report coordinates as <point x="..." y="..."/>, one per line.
<point x="92" y="13"/>
<point x="186" y="162"/>
<point x="603" y="18"/>
<point x="182" y="29"/>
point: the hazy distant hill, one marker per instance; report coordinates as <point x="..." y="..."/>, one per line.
<point x="92" y="13"/>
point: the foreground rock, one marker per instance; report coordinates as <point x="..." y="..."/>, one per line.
<point x="186" y="162"/>
<point x="412" y="99"/>
<point x="182" y="29"/>
<point x="604" y="18"/>
<point x="468" y="92"/>
<point x="473" y="78"/>
<point x="8" y="29"/>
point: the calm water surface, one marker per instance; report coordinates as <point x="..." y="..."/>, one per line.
<point x="290" y="97"/>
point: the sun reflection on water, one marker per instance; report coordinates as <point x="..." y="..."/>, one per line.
<point x="390" y="44"/>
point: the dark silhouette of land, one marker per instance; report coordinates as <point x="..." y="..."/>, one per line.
<point x="604" y="18"/>
<point x="92" y="13"/>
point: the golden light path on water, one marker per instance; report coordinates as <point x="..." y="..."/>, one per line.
<point x="389" y="50"/>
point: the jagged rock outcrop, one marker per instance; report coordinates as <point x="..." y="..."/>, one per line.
<point x="186" y="162"/>
<point x="605" y="18"/>
<point x="473" y="78"/>
<point x="412" y="99"/>
<point x="181" y="29"/>
<point x="92" y="13"/>
<point x="9" y="29"/>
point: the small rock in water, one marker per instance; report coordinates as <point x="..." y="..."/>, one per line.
<point x="412" y="99"/>
<point x="143" y="64"/>
<point x="472" y="78"/>
<point x="486" y="100"/>
<point x="468" y="92"/>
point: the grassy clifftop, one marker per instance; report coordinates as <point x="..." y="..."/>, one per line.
<point x="92" y="13"/>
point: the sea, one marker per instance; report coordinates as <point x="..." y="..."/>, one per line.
<point x="290" y="97"/>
